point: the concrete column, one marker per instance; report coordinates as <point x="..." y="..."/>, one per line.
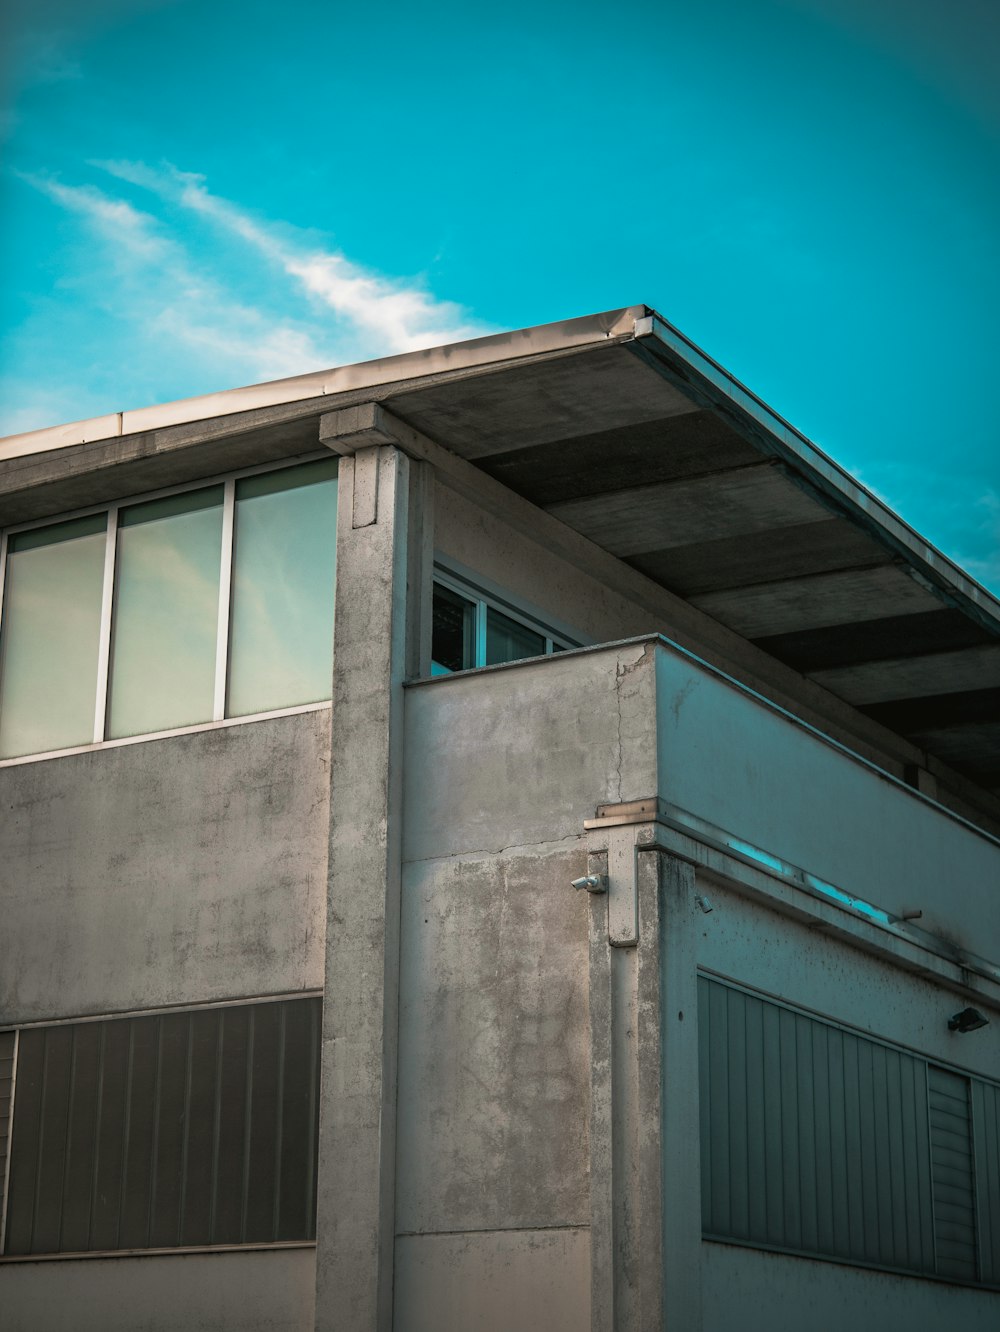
<point x="382" y="543"/>
<point x="645" y="1173"/>
<point x="680" y="1158"/>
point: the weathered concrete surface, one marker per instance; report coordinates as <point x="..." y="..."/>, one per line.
<point x="772" y="1292"/>
<point x="493" y="1043"/>
<point x="522" y="754"/>
<point x="497" y="1281"/>
<point x="758" y="776"/>
<point x="261" y="1291"/>
<point x="356" y="1182"/>
<point x="755" y="946"/>
<point x="168" y="871"/>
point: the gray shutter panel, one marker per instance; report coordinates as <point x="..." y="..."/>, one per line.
<point x="986" y="1125"/>
<point x="163" y="1131"/>
<point x="814" y="1139"/>
<point x="6" y="1093"/>
<point x="951" y="1167"/>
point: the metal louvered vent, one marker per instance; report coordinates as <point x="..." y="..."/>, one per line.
<point x="823" y="1142"/>
<point x="8" y="1042"/>
<point x="163" y="1131"/>
<point x="951" y="1171"/>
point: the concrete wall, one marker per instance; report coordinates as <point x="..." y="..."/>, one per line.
<point x="755" y="946"/>
<point x="493" y="1150"/>
<point x="533" y="575"/>
<point x="497" y="1281"/>
<point x="168" y="871"/>
<point x="776" y="1293"/>
<point x="258" y="1291"/>
<point x="522" y="754"/>
<point x="756" y="775"/>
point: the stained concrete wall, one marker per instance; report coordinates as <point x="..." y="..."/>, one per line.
<point x="179" y="870"/>
<point x="496" y="1281"/>
<point x="493" y="1150"/>
<point x="522" y="754"/>
<point x="755" y="946"/>
<point x="753" y="773"/>
<point x="263" y="1291"/>
<point x="771" y="1292"/>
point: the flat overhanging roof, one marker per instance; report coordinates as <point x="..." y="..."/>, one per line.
<point x="621" y="428"/>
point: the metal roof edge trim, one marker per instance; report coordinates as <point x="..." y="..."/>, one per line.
<point x="563" y="335"/>
<point x="818" y="467"/>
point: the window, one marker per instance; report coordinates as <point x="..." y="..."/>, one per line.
<point x="163" y="1131"/>
<point x="472" y="629"/>
<point x="202" y="604"/>
<point x="823" y="1142"/>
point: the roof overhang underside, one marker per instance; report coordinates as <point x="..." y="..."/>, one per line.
<point x="630" y="435"/>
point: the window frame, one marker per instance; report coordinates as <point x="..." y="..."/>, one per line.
<point x="481" y="595"/>
<point x="228" y="480"/>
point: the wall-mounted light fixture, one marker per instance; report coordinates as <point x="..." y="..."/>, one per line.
<point x="594" y="883"/>
<point x="970" y="1019"/>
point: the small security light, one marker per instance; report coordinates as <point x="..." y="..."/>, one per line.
<point x="594" y="883"/>
<point x="970" y="1019"/>
<point x="703" y="902"/>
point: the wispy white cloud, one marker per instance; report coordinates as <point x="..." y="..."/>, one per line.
<point x="159" y="288"/>
<point x="189" y="293"/>
<point x="397" y="316"/>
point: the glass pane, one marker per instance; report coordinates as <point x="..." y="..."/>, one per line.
<point x="281" y="633"/>
<point x="166" y="613"/>
<point x="51" y="626"/>
<point x="506" y="640"/>
<point x="453" y="632"/>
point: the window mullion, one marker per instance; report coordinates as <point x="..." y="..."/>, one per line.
<point x="104" y="640"/>
<point x="480" y="632"/>
<point x="225" y="599"/>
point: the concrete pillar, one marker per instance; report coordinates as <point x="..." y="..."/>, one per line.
<point x="645" y="1172"/>
<point x="382" y="545"/>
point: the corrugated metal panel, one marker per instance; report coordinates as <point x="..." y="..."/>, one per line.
<point x="7" y="1046"/>
<point x="986" y="1136"/>
<point x="163" y="1131"/>
<point x="951" y="1163"/>
<point x="813" y="1138"/>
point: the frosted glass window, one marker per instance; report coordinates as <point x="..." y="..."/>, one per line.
<point x="49" y="644"/>
<point x="166" y="613"/>
<point x="506" y="640"/>
<point x="281" y="630"/>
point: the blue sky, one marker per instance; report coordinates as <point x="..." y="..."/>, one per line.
<point x="198" y="194"/>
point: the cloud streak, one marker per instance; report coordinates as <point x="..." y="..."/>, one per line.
<point x="394" y="315"/>
<point x="159" y="287"/>
<point x="188" y="293"/>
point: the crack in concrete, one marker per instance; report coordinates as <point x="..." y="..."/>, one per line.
<point x="497" y="851"/>
<point x="623" y="669"/>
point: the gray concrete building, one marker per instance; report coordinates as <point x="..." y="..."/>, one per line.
<point x="501" y="837"/>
